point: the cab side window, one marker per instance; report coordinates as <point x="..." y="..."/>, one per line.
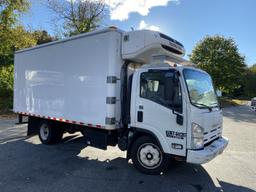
<point x="160" y="87"/>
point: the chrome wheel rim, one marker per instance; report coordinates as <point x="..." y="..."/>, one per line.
<point x="44" y="131"/>
<point x="149" y="155"/>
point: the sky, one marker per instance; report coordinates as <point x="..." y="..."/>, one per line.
<point x="187" y="21"/>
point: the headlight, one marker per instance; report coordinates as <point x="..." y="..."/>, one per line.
<point x="197" y="140"/>
<point x="197" y="131"/>
<point x="197" y="143"/>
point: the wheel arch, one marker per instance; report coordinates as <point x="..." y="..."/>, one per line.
<point x="139" y="132"/>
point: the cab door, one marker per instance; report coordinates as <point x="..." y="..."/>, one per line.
<point x="159" y="108"/>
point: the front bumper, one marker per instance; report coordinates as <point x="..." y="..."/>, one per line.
<point x="208" y="153"/>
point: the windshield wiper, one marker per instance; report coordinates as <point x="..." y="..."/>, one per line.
<point x="203" y="105"/>
<point x="215" y="104"/>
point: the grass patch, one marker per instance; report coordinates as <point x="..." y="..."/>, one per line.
<point x="226" y="102"/>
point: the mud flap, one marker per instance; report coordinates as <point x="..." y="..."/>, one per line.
<point x="96" y="138"/>
<point x="33" y="126"/>
<point x="100" y="138"/>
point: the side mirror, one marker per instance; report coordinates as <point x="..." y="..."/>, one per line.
<point x="218" y="93"/>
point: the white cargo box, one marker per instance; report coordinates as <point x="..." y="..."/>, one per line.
<point x="77" y="80"/>
<point x="72" y="80"/>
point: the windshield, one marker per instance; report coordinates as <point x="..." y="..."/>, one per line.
<point x="200" y="88"/>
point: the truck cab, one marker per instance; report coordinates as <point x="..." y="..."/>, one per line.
<point x="176" y="106"/>
<point x="174" y="111"/>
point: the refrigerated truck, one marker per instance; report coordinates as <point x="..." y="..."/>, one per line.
<point x="131" y="89"/>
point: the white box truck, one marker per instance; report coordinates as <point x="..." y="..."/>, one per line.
<point x="130" y="89"/>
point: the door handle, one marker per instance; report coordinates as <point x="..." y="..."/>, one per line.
<point x="179" y="119"/>
<point x="141" y="107"/>
<point x="140" y="116"/>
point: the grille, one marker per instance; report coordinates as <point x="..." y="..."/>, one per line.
<point x="212" y="135"/>
<point x="170" y="49"/>
<point x="170" y="39"/>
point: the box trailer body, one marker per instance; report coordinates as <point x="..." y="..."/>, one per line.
<point x="131" y="89"/>
<point x="71" y="80"/>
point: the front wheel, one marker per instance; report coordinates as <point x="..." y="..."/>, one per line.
<point x="148" y="157"/>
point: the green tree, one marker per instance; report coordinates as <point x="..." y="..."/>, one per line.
<point x="220" y="57"/>
<point x="6" y="81"/>
<point x="12" y="36"/>
<point x="6" y="87"/>
<point x="253" y="68"/>
<point x="42" y="37"/>
<point x="10" y="10"/>
<point x="78" y="16"/>
<point x="250" y="82"/>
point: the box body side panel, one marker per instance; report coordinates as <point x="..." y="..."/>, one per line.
<point x="68" y="80"/>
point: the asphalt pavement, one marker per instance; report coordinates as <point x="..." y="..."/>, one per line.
<point x="27" y="165"/>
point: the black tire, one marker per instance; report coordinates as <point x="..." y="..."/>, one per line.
<point x="49" y="133"/>
<point x="154" y="156"/>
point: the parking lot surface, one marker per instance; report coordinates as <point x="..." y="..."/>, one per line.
<point x="27" y="165"/>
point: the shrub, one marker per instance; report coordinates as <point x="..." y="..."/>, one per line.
<point x="6" y="80"/>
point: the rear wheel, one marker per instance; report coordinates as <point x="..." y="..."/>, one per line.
<point x="49" y="133"/>
<point x="148" y="157"/>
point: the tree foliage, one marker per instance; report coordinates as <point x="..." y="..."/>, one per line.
<point x="42" y="37"/>
<point x="10" y="10"/>
<point x="220" y="57"/>
<point x="253" y="68"/>
<point x="250" y="81"/>
<point x="6" y="81"/>
<point x="78" y="16"/>
<point x="12" y="36"/>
